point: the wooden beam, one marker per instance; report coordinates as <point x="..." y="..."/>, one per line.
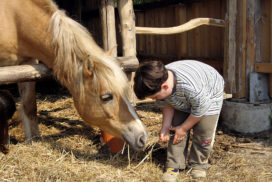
<point x="35" y="72"/>
<point x="263" y="67"/>
<point x="129" y="63"/>
<point x="22" y="73"/>
<point x="194" y="23"/>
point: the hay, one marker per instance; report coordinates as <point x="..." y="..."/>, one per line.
<point x="71" y="151"/>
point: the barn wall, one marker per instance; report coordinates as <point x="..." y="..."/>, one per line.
<point x="205" y="42"/>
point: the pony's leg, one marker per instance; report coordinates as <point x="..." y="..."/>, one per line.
<point x="4" y="136"/>
<point x="29" y="109"/>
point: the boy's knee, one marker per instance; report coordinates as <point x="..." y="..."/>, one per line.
<point x="203" y="142"/>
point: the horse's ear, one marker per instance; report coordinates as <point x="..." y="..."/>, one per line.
<point x="88" y="66"/>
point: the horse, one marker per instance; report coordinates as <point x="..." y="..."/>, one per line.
<point x="98" y="85"/>
<point x="7" y="109"/>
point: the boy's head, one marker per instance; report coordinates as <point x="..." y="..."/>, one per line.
<point x="148" y="78"/>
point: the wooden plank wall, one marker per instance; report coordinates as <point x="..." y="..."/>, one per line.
<point x="205" y="43"/>
<point x="248" y="41"/>
<point x="266" y="43"/>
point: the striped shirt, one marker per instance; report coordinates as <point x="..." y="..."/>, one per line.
<point x="198" y="90"/>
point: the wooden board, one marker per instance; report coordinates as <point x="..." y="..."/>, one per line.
<point x="202" y="42"/>
<point x="35" y="72"/>
<point x="22" y="73"/>
<point x="263" y="67"/>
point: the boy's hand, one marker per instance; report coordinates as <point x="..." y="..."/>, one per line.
<point x="164" y="135"/>
<point x="180" y="134"/>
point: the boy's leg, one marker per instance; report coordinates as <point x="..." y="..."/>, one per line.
<point x="202" y="142"/>
<point x="176" y="153"/>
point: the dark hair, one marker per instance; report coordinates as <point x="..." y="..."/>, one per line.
<point x="148" y="78"/>
<point x="7" y="109"/>
<point x="7" y="105"/>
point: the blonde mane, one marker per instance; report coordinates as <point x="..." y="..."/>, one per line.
<point x="72" y="44"/>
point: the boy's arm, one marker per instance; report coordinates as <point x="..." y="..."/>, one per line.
<point x="181" y="131"/>
<point x="167" y="116"/>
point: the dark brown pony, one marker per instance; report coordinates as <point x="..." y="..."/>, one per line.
<point x="7" y="109"/>
<point x="37" y="30"/>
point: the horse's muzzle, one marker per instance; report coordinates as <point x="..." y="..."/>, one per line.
<point x="135" y="136"/>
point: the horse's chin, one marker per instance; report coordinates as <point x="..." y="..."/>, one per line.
<point x="134" y="137"/>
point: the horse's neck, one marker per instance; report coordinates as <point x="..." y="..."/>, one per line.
<point x="34" y="40"/>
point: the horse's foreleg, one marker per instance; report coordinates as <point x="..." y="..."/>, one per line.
<point x="4" y="136"/>
<point x="29" y="109"/>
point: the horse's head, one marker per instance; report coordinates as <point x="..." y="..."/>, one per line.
<point x="103" y="102"/>
<point x="97" y="83"/>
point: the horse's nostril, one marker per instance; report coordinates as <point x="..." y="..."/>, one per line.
<point x="141" y="141"/>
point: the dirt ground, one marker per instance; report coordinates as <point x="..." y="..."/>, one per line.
<point x="69" y="150"/>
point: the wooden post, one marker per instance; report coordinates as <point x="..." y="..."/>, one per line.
<point x="244" y="41"/>
<point x="252" y="17"/>
<point x="127" y="21"/>
<point x="230" y="46"/>
<point x="270" y="76"/>
<point x="241" y="40"/>
<point x="253" y="53"/>
<point x="107" y="15"/>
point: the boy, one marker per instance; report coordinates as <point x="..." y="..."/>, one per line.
<point x="190" y="94"/>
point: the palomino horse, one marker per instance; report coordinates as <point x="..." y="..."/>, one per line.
<point x="37" y="29"/>
<point x="7" y="109"/>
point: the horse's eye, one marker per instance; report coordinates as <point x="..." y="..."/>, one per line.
<point x="106" y="97"/>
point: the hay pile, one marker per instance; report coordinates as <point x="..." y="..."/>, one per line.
<point x="71" y="151"/>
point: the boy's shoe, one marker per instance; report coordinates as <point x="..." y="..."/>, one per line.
<point x="197" y="173"/>
<point x="171" y="175"/>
